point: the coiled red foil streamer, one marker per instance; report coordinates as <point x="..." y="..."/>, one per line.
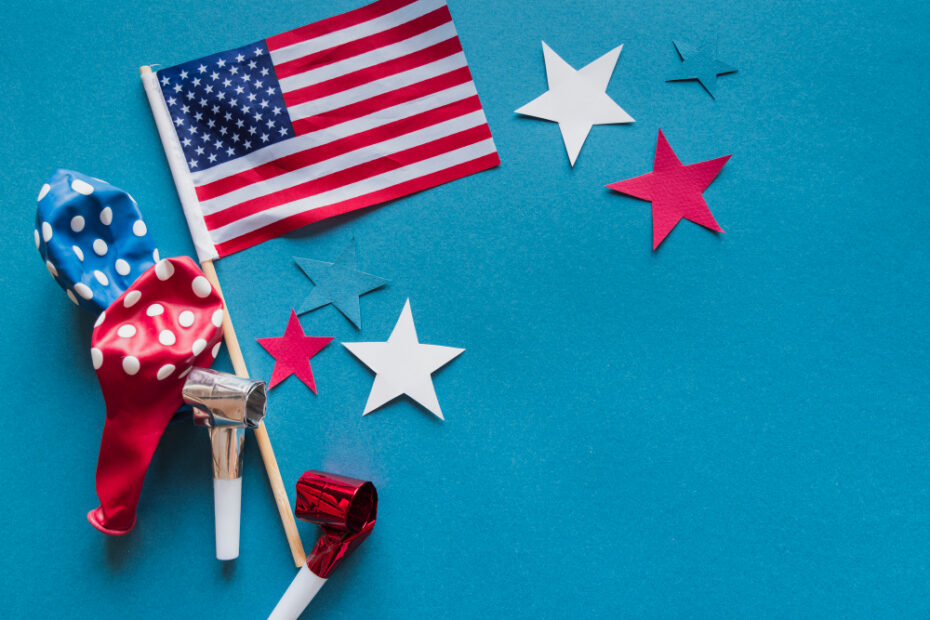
<point x="345" y="508"/>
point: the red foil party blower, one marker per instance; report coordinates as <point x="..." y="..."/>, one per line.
<point x="346" y="509"/>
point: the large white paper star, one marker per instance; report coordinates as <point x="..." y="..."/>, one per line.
<point x="577" y="99"/>
<point x="403" y="366"/>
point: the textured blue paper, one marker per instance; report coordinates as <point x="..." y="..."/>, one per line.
<point x="735" y="425"/>
<point x="339" y="283"/>
<point x="701" y="64"/>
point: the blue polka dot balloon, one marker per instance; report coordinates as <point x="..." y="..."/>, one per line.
<point x="92" y="238"/>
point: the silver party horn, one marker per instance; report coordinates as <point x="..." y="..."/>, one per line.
<point x="227" y="405"/>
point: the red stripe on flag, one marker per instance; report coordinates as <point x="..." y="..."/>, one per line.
<point x="425" y="56"/>
<point x="414" y="27"/>
<point x="334" y="23"/>
<point x="347" y="176"/>
<point x="380" y="102"/>
<point x="307" y="157"/>
<point x="299" y="220"/>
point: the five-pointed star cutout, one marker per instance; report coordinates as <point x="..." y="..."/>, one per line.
<point x="675" y="191"/>
<point x="700" y="64"/>
<point x="339" y="284"/>
<point x="577" y="100"/>
<point x="403" y="366"/>
<point x="292" y="353"/>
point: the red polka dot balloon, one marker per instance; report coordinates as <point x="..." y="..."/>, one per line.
<point x="143" y="347"/>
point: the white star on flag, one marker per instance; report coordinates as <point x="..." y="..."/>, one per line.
<point x="403" y="366"/>
<point x="577" y="99"/>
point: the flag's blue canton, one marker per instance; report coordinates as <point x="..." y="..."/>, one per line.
<point x="225" y="105"/>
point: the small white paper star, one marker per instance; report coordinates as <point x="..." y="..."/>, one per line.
<point x="577" y="99"/>
<point x="403" y="366"/>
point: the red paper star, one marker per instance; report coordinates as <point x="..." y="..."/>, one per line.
<point x="674" y="191"/>
<point x="292" y="353"/>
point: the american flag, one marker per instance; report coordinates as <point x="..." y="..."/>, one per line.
<point x="341" y="114"/>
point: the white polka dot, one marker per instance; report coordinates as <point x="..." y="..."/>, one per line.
<point x="126" y="330"/>
<point x="164" y="270"/>
<point x="122" y="267"/>
<point x="100" y="247"/>
<point x="51" y="269"/>
<point x="138" y="228"/>
<point x="166" y="337"/>
<point x="131" y="365"/>
<point x="100" y="319"/>
<point x="201" y="286"/>
<point x="106" y="216"/>
<point x="36" y="234"/>
<point x="216" y="348"/>
<point x="217" y="318"/>
<point x="83" y="290"/>
<point x="185" y="373"/>
<point x="43" y="191"/>
<point x="165" y="371"/>
<point x="96" y="356"/>
<point x="131" y="298"/>
<point x="155" y="310"/>
<point x="78" y="252"/>
<point x="101" y="277"/>
<point x="199" y="345"/>
<point x="46" y="231"/>
<point x="82" y="187"/>
<point x="77" y="223"/>
<point x="155" y="255"/>
<point x="72" y="297"/>
<point x="186" y="318"/>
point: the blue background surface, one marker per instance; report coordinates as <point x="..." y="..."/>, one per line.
<point x="734" y="425"/>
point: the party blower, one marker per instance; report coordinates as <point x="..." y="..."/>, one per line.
<point x="346" y="509"/>
<point x="227" y="405"/>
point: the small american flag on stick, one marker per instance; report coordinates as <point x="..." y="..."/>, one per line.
<point x="341" y="114"/>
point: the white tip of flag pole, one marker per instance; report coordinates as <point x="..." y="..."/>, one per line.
<point x="298" y="595"/>
<point x="227" y="506"/>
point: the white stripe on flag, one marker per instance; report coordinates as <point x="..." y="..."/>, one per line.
<point x="336" y="132"/>
<point x="377" y="87"/>
<point x="361" y="188"/>
<point x="342" y="162"/>
<point x="374" y="57"/>
<point x="372" y="26"/>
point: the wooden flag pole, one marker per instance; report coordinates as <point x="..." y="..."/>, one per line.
<point x="163" y="123"/>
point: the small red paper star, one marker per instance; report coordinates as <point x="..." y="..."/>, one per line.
<point x="674" y="190"/>
<point x="292" y="353"/>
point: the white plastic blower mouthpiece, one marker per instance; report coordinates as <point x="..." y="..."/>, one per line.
<point x="227" y="505"/>
<point x="298" y="595"/>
